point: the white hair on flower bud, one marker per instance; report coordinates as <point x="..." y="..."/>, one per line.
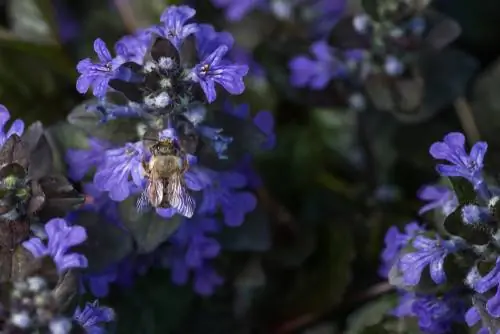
<point x="361" y="23"/>
<point x="165" y="83"/>
<point x="60" y="326"/>
<point x="166" y="63"/>
<point x="36" y="283"/>
<point x="493" y="201"/>
<point x="150" y="66"/>
<point x="21" y="320"/>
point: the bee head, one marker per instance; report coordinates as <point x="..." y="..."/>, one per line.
<point x="165" y="147"/>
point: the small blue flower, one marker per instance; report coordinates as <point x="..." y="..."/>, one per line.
<point x="208" y="40"/>
<point x="223" y="195"/>
<point x="119" y="167"/>
<point x="465" y="165"/>
<point x="61" y="237"/>
<point x="483" y="284"/>
<point x="428" y="252"/>
<point x="473" y="214"/>
<point x="473" y="317"/>
<point x="98" y="74"/>
<point x="316" y="72"/>
<point x="436" y="315"/>
<point x="81" y="161"/>
<point x="394" y="242"/>
<point x="264" y="120"/>
<point x="110" y="111"/>
<point x="134" y="47"/>
<point x="174" y="27"/>
<point x="206" y="280"/>
<point x="438" y="197"/>
<point x="16" y="128"/>
<point x="214" y="70"/>
<point x="98" y="284"/>
<point x="92" y="317"/>
<point x="220" y="143"/>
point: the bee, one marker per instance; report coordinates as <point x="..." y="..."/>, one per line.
<point x="165" y="179"/>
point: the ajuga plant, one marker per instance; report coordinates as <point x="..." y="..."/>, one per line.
<point x="446" y="266"/>
<point x="163" y="154"/>
<point x="387" y="59"/>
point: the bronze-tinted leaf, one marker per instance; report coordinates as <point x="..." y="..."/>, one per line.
<point x="37" y="198"/>
<point x="14" y="150"/>
<point x="41" y="158"/>
<point x="66" y="289"/>
<point x="22" y="263"/>
<point x="60" y="197"/>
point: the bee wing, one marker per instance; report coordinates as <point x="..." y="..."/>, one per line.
<point x="179" y="197"/>
<point x="143" y="204"/>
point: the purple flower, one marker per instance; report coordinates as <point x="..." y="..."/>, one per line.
<point x="119" y="167"/>
<point x="394" y="242"/>
<point x="98" y="284"/>
<point x="198" y="247"/>
<point x="483" y="284"/>
<point x="174" y="27"/>
<point x="92" y="317"/>
<point x="219" y="142"/>
<point x="17" y="126"/>
<point x="316" y="72"/>
<point x="223" y="194"/>
<point x="428" y="252"/>
<point x="134" y="47"/>
<point x="473" y="214"/>
<point x="437" y="314"/>
<point x="235" y="10"/>
<point x="98" y="74"/>
<point x="208" y="40"/>
<point x="473" y="317"/>
<point x="324" y="15"/>
<point x="465" y="165"/>
<point x="81" y="161"/>
<point x="264" y="120"/>
<point x="61" y="237"/>
<point x="206" y="280"/>
<point x="213" y="70"/>
<point x="438" y="197"/>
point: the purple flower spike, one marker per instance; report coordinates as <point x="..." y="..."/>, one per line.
<point x="428" y="253"/>
<point x="174" y="26"/>
<point x="223" y="194"/>
<point x="81" y="161"/>
<point x="438" y="197"/>
<point x="61" y="238"/>
<point x="98" y="75"/>
<point x="93" y="316"/>
<point x="465" y="165"/>
<point x="119" y="165"/>
<point x="212" y="69"/>
<point x="17" y="126"/>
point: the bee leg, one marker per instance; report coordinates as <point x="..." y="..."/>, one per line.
<point x="185" y="165"/>
<point x="145" y="166"/>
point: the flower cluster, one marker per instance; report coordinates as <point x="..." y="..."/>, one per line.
<point x="459" y="264"/>
<point x="33" y="308"/>
<point x="385" y="46"/>
<point x="183" y="167"/>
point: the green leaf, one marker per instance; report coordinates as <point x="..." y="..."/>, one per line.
<point x="154" y="305"/>
<point x="106" y="242"/>
<point x="321" y="283"/>
<point x="254" y="235"/>
<point x="33" y="20"/>
<point x="118" y="131"/>
<point x="147" y="228"/>
<point x="443" y="78"/>
<point x="463" y="190"/>
<point x="476" y="234"/>
<point x="371" y="314"/>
